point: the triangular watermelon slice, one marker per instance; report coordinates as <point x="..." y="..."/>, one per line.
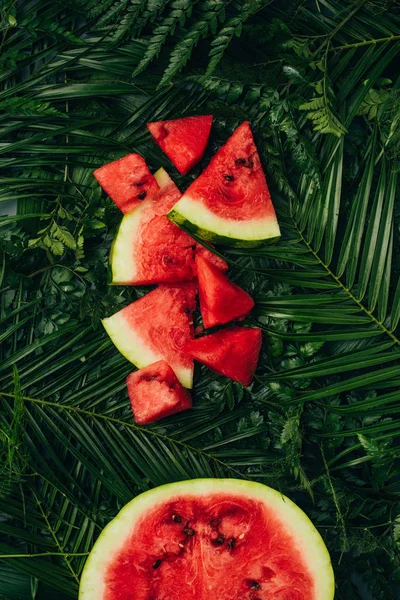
<point x="230" y="202"/>
<point x="183" y="140"/>
<point x="128" y="181"/>
<point x="211" y="257"/>
<point x="149" y="248"/>
<point x="232" y="352"/>
<point x="155" y="393"/>
<point x="221" y="300"/>
<point x="156" y="327"/>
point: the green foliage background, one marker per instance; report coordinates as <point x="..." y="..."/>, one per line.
<point x="318" y="81"/>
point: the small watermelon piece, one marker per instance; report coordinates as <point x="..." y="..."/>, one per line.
<point x="209" y="539"/>
<point x="232" y="352"/>
<point x="230" y="202"/>
<point x="211" y="257"/>
<point x="155" y="393"/>
<point x="182" y="140"/>
<point x="221" y="300"/>
<point x="128" y="181"/>
<point x="156" y="327"/>
<point x="149" y="248"/>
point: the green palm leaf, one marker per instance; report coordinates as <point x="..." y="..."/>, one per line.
<point x="79" y="80"/>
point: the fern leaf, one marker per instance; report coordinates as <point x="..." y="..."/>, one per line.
<point x="233" y="27"/>
<point x="180" y="11"/>
<point x="206" y="22"/>
<point x="151" y="11"/>
<point x="63" y="235"/>
<point x="323" y="117"/>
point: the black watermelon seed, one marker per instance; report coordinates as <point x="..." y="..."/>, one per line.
<point x="231" y="543"/>
<point x="219" y="541"/>
<point x="189" y="531"/>
<point x="142" y="195"/>
<point x="157" y="564"/>
<point x="229" y="177"/>
<point x="140" y="183"/>
<point x="254" y="584"/>
<point x="177" y="518"/>
<point x="240" y="161"/>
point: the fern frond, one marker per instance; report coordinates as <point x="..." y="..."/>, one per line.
<point x="233" y="27"/>
<point x="179" y="12"/>
<point x="211" y="12"/>
<point x="152" y="10"/>
<point x="322" y="116"/>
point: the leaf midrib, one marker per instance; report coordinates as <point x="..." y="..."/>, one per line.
<point x="347" y="290"/>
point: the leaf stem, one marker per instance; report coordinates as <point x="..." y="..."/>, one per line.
<point x="348" y="291"/>
<point x="389" y="38"/>
<point x="91" y="414"/>
<point x="55" y="538"/>
<point x="65" y="555"/>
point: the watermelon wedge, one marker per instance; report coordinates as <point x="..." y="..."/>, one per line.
<point x="221" y="300"/>
<point x="211" y="257"/>
<point x="156" y="327"/>
<point x="155" y="393"/>
<point x="182" y="140"/>
<point x="232" y="352"/>
<point x="149" y="248"/>
<point x="207" y="539"/>
<point x="128" y="181"/>
<point x="229" y="202"/>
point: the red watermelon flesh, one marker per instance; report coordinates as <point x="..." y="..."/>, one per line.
<point x="182" y="140"/>
<point x="221" y="300"/>
<point x="211" y="257"/>
<point x="155" y="393"/>
<point x="149" y="248"/>
<point x="232" y="352"/>
<point x="233" y="186"/>
<point x="214" y="547"/>
<point x="128" y="181"/>
<point x="156" y="327"/>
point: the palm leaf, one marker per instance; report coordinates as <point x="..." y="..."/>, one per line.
<point x="320" y="422"/>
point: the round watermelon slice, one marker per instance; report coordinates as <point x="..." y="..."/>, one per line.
<point x="149" y="248"/>
<point x="156" y="327"/>
<point x="128" y="181"/>
<point x="229" y="202"/>
<point x="209" y="539"/>
<point x="183" y="140"/>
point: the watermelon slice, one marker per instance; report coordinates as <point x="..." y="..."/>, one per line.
<point x="209" y="539"/>
<point x="211" y="257"/>
<point x="232" y="352"/>
<point x="155" y="392"/>
<point x="128" y="181"/>
<point x="229" y="202"/>
<point x="156" y="327"/>
<point x="183" y="140"/>
<point x="221" y="300"/>
<point x="149" y="248"/>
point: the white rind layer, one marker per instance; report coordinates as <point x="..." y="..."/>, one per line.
<point x="248" y="230"/>
<point x="123" y="265"/>
<point x="117" y="533"/>
<point x="137" y="351"/>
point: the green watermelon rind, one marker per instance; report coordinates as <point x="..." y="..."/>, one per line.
<point x="191" y="216"/>
<point x="297" y="523"/>
<point x="136" y="351"/>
